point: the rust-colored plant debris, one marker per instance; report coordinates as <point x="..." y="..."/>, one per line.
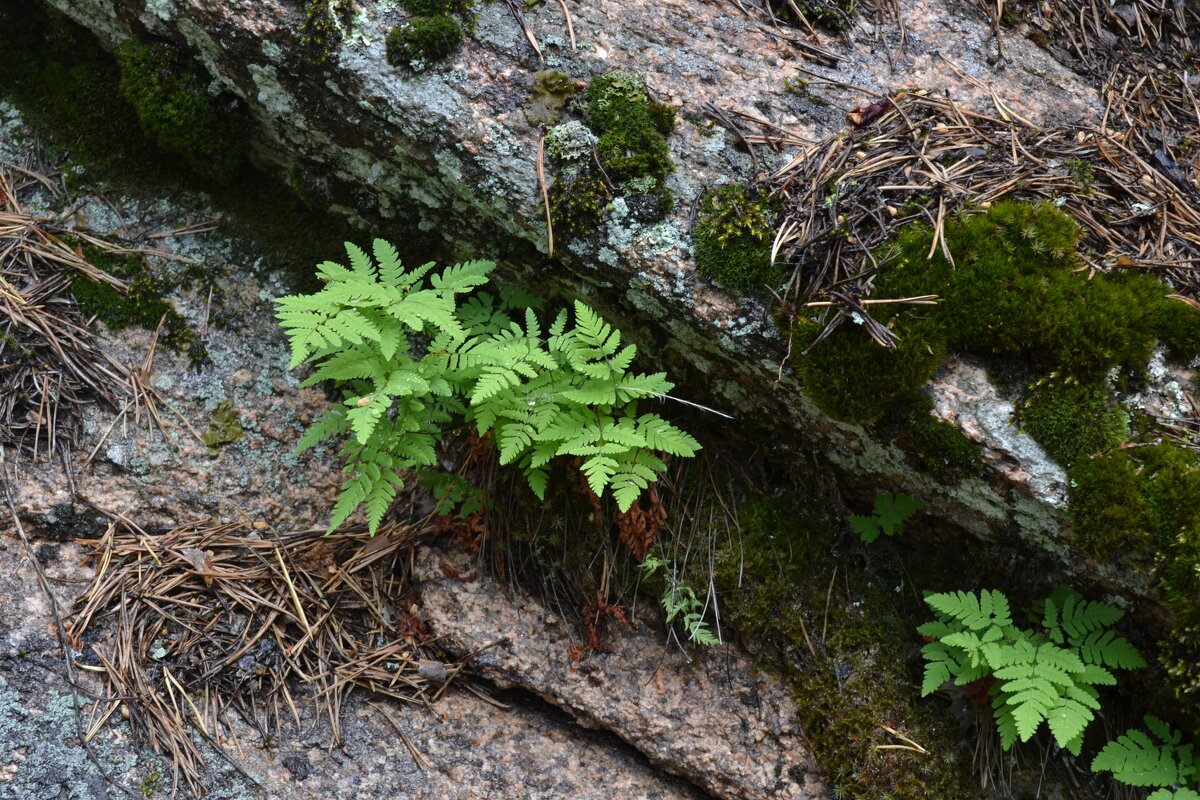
<point x="187" y="625"/>
<point x="639" y="527"/>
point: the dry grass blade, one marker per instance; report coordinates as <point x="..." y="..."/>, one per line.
<point x="192" y="623"/>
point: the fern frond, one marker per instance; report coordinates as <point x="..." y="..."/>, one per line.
<point x="360" y="262"/>
<point x="1135" y="759"/>
<point x="665" y="437"/>
<point x="391" y="270"/>
<point x="637" y="387"/>
<point x="462" y="278"/>
<point x="363" y="418"/>
<point x="1106" y="648"/>
<point x="599" y="470"/>
<point x="331" y="423"/>
<point x="989" y="608"/>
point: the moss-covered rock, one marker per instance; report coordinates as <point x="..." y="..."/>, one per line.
<point x="1140" y="506"/>
<point x="852" y="378"/>
<point x="846" y="651"/>
<point x="833" y="15"/>
<point x="422" y="40"/>
<point x="577" y="203"/>
<point x="145" y="305"/>
<point x="431" y="8"/>
<point x="935" y="445"/>
<point x="632" y="142"/>
<point x="176" y="111"/>
<point x="1015" y="290"/>
<point x="732" y="239"/>
<point x="1073" y="420"/>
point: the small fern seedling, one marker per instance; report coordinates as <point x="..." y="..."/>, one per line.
<point x="890" y="512"/>
<point x="1047" y="676"/>
<point x="415" y="351"/>
<point x="679" y="601"/>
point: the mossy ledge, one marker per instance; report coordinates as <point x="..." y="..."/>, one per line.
<point x="622" y="152"/>
<point x="1015" y="290"/>
<point x="176" y="112"/>
<point x="732" y="239"/>
<point x="145" y="305"/>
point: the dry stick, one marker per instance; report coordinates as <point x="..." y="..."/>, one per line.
<point x="828" y="597"/>
<point x="570" y="27"/>
<point x="541" y="176"/>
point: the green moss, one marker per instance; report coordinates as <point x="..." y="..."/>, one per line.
<point x="1072" y="420"/>
<point x="423" y="39"/>
<point x="632" y="143"/>
<point x="1113" y="518"/>
<point x="663" y="117"/>
<point x="846" y="651"/>
<point x="577" y="204"/>
<point x="1015" y="290"/>
<point x="852" y="378"/>
<point x="176" y="112"/>
<point x="732" y="238"/>
<point x="833" y="15"/>
<point x="1141" y="506"/>
<point x="551" y="92"/>
<point x="144" y="306"/>
<point x="325" y="22"/>
<point x="934" y="445"/>
<point x="431" y="8"/>
<point x="1178" y="326"/>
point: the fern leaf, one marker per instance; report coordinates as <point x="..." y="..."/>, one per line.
<point x="1006" y="724"/>
<point x="364" y="418"/>
<point x="333" y="271"/>
<point x="353" y="363"/>
<point x="462" y="278"/>
<point x="331" y="423"/>
<point x="537" y="477"/>
<point x="513" y="439"/>
<point x="594" y="333"/>
<point x="636" y="387"/>
<point x="599" y="470"/>
<point x="391" y="336"/>
<point x="1178" y="794"/>
<point x="939" y="667"/>
<point x="1067" y="721"/>
<point x="1107" y="649"/>
<point x="662" y="435"/>
<point x="593" y="393"/>
<point x="353" y="492"/>
<point x="1162" y="730"/>
<point x="360" y="262"/>
<point x="1134" y="759"/>
<point x="966" y="608"/>
<point x="391" y="270"/>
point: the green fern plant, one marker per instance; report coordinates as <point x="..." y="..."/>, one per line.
<point x="1049" y="675"/>
<point x="1135" y="759"/>
<point x="415" y="351"/>
<point x="890" y="512"/>
<point x="679" y="600"/>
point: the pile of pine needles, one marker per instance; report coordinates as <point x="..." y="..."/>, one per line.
<point x="187" y="625"/>
<point x="928" y="158"/>
<point x="50" y="364"/>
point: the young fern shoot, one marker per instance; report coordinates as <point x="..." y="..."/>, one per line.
<point x="414" y="351"/>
